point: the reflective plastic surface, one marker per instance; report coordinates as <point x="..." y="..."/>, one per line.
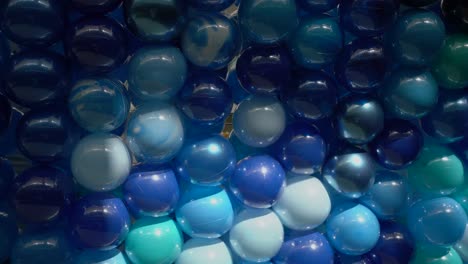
<point x="95" y="6"/>
<point x="203" y="251"/>
<point x="113" y="256"/>
<point x="99" y="221"/>
<point x="100" y="162"/>
<point x="313" y="248"/>
<point x="395" y="244"/>
<point x="452" y="59"/>
<point x="258" y="181"/>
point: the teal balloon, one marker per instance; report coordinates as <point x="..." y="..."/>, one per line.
<point x="462" y="246"/>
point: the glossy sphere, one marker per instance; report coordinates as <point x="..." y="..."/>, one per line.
<point x="440" y="256"/>
<point x="452" y="59"/>
<point x="352" y="229"/>
<point x="113" y="256"/>
<point x="209" y="161"/>
<point x="462" y="246"/>
<point x="7" y="173"/>
<point x="210" y="5"/>
<point x="41" y="195"/>
<point x="258" y="181"/>
<point x="438" y="221"/>
<point x="202" y="251"/>
<point x="264" y="69"/>
<point x="33" y="22"/>
<point x="267" y="22"/>
<point x="259" y="121"/>
<point x="363" y="65"/>
<point x="417" y="37"/>
<point x="397" y="145"/>
<point x="95" y="6"/>
<point x="156" y="72"/>
<point x="99" y="105"/>
<point x="350" y="174"/>
<point x="304" y="204"/>
<point x="301" y="149"/>
<point x="153" y="240"/>
<point x="318" y="6"/>
<point x="368" y="17"/>
<point x="46" y="135"/>
<point x="205" y="99"/>
<point x="312" y="97"/>
<point x="205" y="212"/>
<point x="359" y="119"/>
<point x="316" y="42"/>
<point x="155" y="20"/>
<point x="388" y="197"/>
<point x="42" y="247"/>
<point x="455" y="11"/>
<point x="418" y="3"/>
<point x="269" y="235"/>
<point x="100" y="162"/>
<point x="5" y="113"/>
<point x="99" y="221"/>
<point x="37" y="78"/>
<point x="313" y="248"/>
<point x="395" y="244"/>
<point x="155" y="133"/>
<point x="97" y="44"/>
<point x="210" y="40"/>
<point x="8" y="230"/>
<point x="151" y="191"/>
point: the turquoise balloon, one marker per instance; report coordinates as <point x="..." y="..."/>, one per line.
<point x="113" y="256"/>
<point x="462" y="246"/>
<point x="203" y="251"/>
<point x="441" y="255"/>
<point x="153" y="241"/>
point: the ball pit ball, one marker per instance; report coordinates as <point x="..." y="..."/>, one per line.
<point x="449" y="62"/>
<point x="8" y="230"/>
<point x="202" y="251"/>
<point x="7" y="173"/>
<point x="113" y="256"/>
<point x="95" y="7"/>
<point x="395" y="244"/>
<point x="313" y="248"/>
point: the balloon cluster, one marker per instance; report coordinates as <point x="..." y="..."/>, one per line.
<point x="349" y="138"/>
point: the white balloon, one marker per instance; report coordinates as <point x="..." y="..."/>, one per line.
<point x="204" y="251"/>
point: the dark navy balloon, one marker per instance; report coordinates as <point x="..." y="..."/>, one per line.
<point x="42" y="195"/>
<point x="8" y="137"/>
<point x="205" y="99"/>
<point x="398" y="145"/>
<point x="301" y="149"/>
<point x="264" y="69"/>
<point x="151" y="191"/>
<point x="368" y="17"/>
<point x="8" y="230"/>
<point x="210" y="5"/>
<point x="4" y="56"/>
<point x="37" y="78"/>
<point x="363" y="65"/>
<point x="369" y="258"/>
<point x="99" y="221"/>
<point x="395" y="244"/>
<point x="318" y="6"/>
<point x="95" y="6"/>
<point x="46" y="135"/>
<point x="418" y="3"/>
<point x="5" y="113"/>
<point x="448" y="121"/>
<point x="33" y="22"/>
<point x="312" y="95"/>
<point x="258" y="181"/>
<point x="97" y="44"/>
<point x="455" y="12"/>
<point x="7" y="173"/>
<point x="209" y="161"/>
<point x="313" y="248"/>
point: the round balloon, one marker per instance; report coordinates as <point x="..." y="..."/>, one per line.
<point x="210" y="5"/>
<point x="112" y="256"/>
<point x="202" y="251"/>
<point x="395" y="244"/>
<point x="462" y="246"/>
<point x="7" y="174"/>
<point x="8" y="230"/>
<point x="95" y="6"/>
<point x="452" y="58"/>
<point x="318" y="6"/>
<point x="443" y="255"/>
<point x="313" y="248"/>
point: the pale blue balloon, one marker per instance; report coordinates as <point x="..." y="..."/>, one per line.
<point x="113" y="256"/>
<point x="204" y="251"/>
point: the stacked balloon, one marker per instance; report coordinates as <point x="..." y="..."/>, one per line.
<point x="349" y="141"/>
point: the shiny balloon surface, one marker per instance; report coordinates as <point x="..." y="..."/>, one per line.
<point x="313" y="248"/>
<point x="202" y="251"/>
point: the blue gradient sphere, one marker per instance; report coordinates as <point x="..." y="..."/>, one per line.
<point x="313" y="248"/>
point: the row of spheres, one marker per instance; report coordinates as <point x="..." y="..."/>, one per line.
<point x="379" y="121"/>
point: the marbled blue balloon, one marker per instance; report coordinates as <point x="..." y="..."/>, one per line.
<point x="155" y="133"/>
<point x="363" y="66"/>
<point x="8" y="230"/>
<point x="208" y="161"/>
<point x="437" y="221"/>
<point x="395" y="244"/>
<point x="368" y="17"/>
<point x="33" y="22"/>
<point x="210" y="5"/>
<point x="95" y="6"/>
<point x="210" y="40"/>
<point x="352" y="229"/>
<point x="318" y="6"/>
<point x="316" y="42"/>
<point x="156" y="72"/>
<point x="410" y="93"/>
<point x="417" y="37"/>
<point x="113" y="256"/>
<point x="37" y="78"/>
<point x="267" y="22"/>
<point x="313" y="248"/>
<point x="205" y="99"/>
<point x="99" y="105"/>
<point x="259" y="120"/>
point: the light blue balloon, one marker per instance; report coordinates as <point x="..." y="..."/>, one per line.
<point x="155" y="133"/>
<point x="203" y="251"/>
<point x="113" y="256"/>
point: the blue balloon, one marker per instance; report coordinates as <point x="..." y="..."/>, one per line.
<point x="113" y="256"/>
<point x="150" y="191"/>
<point x="210" y="5"/>
<point x="47" y="134"/>
<point x="258" y="181"/>
<point x="99" y="105"/>
<point x="8" y="230"/>
<point x="395" y="244"/>
<point x="95" y="6"/>
<point x="34" y="23"/>
<point x="313" y="248"/>
<point x="352" y="229"/>
<point x="7" y="173"/>
<point x="208" y="161"/>
<point x="5" y="113"/>
<point x="156" y="72"/>
<point x="4" y="56"/>
<point x="99" y="221"/>
<point x="318" y="6"/>
<point x="242" y="150"/>
<point x="37" y="78"/>
<point x="155" y="133"/>
<point x="8" y="137"/>
<point x="205" y="212"/>
<point x="369" y="258"/>
<point x="97" y="44"/>
<point x="437" y="222"/>
<point x="301" y="149"/>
